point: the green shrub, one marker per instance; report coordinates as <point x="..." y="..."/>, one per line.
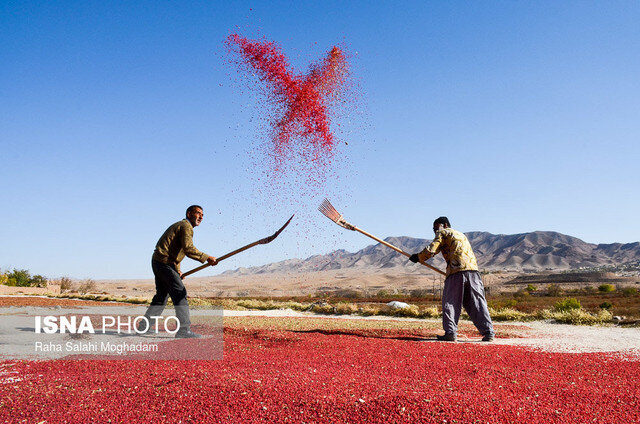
<point x="522" y="294"/>
<point x="510" y="303"/>
<point x="567" y="304"/>
<point x="22" y="278"/>
<point x="19" y="277"/>
<point x="605" y="305"/>
<point x="38" y="281"/>
<point x="531" y="288"/>
<point x="630" y="291"/>
<point x="606" y="288"/>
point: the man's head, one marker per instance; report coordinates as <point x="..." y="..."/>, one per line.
<point x="195" y="215"/>
<point x="440" y="223"/>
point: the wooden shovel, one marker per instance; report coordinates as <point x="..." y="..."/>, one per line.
<point x="330" y="212"/>
<point x="248" y="246"/>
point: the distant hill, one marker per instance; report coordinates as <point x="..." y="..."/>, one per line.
<point x="527" y="252"/>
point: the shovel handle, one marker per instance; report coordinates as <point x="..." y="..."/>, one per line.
<point x="397" y="249"/>
<point x="221" y="258"/>
<point x="243" y="248"/>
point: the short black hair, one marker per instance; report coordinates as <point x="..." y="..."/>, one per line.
<point x="193" y="208"/>
<point x="442" y="220"/>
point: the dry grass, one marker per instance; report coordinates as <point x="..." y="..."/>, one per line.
<point x="508" y="314"/>
<point x="581" y="317"/>
<point x="102" y="298"/>
<point x="87" y="286"/>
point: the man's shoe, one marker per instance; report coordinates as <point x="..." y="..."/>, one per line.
<point x="188" y="334"/>
<point x="447" y="338"/>
<point x="488" y="338"/>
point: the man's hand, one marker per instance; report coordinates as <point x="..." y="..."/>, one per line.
<point x="212" y="261"/>
<point x="414" y="258"/>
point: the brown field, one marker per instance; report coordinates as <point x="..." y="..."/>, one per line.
<point x="298" y="284"/>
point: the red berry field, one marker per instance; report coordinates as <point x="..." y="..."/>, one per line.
<point x="328" y="370"/>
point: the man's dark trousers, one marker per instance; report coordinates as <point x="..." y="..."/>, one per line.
<point x="464" y="288"/>
<point x="169" y="284"/>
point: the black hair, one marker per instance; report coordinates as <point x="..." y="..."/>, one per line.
<point x="193" y="208"/>
<point x="442" y="220"/>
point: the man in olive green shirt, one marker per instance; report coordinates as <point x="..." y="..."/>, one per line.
<point x="173" y="246"/>
<point x="463" y="285"/>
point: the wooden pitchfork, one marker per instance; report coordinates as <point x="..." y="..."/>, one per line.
<point x="248" y="246"/>
<point x="330" y="212"/>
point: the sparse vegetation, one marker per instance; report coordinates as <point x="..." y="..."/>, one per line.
<point x="87" y="286"/>
<point x="572" y="315"/>
<point x="508" y="314"/>
<point x="346" y="308"/>
<point x="384" y="293"/>
<point x="349" y="294"/>
<point x="606" y="305"/>
<point x="419" y="293"/>
<point x="322" y="308"/>
<point x="606" y="288"/>
<point x="554" y="290"/>
<point x="498" y="304"/>
<point x="103" y="298"/>
<point x="66" y="285"/>
<point x="567" y="304"/>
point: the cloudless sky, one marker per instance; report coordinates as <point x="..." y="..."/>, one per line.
<point x="507" y="117"/>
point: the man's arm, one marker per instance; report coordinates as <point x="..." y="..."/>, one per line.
<point x="191" y="251"/>
<point x="429" y="251"/>
<point x="188" y="247"/>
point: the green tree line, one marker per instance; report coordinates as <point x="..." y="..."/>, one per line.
<point x="22" y="278"/>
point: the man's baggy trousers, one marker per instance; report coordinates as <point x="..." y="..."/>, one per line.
<point x="464" y="288"/>
<point x="169" y="284"/>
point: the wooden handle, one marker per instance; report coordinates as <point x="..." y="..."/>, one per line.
<point x="201" y="267"/>
<point x="397" y="249"/>
<point x="222" y="258"/>
<point x="242" y="249"/>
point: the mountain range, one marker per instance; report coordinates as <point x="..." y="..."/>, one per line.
<point x="527" y="252"/>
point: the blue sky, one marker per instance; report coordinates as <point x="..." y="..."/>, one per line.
<point x="507" y="117"/>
